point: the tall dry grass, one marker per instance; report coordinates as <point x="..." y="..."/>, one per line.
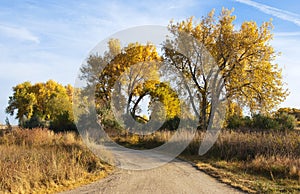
<point x="37" y="160"/>
<point x="275" y="154"/>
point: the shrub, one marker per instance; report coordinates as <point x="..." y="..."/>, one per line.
<point x="280" y="121"/>
<point x="235" y="122"/>
<point x="238" y="122"/>
<point x="171" y="124"/>
<point x="264" y="122"/>
<point x="63" y="122"/>
<point x="34" y="122"/>
<point x="111" y="124"/>
<point x="286" y="121"/>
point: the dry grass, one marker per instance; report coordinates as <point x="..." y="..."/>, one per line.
<point x="252" y="161"/>
<point x="39" y="161"/>
<point x="143" y="141"/>
<point x="241" y="175"/>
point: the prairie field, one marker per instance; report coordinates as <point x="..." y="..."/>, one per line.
<point x="40" y="161"/>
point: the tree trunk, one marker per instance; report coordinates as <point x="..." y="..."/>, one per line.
<point x="203" y="112"/>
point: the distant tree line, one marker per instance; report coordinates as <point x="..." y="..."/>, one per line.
<point x="279" y="121"/>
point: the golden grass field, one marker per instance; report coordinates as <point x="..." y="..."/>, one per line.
<point x="39" y="161"/>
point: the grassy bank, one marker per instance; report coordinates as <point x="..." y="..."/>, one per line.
<point x="262" y="162"/>
<point x="253" y="161"/>
<point x="39" y="161"/>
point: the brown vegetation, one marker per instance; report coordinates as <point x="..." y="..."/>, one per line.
<point x="38" y="160"/>
<point x="253" y="161"/>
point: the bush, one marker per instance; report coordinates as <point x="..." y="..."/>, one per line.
<point x="280" y="121"/>
<point x="286" y="121"/>
<point x="171" y="124"/>
<point x="264" y="122"/>
<point x="34" y="122"/>
<point x="235" y="122"/>
<point x="111" y="124"/>
<point x="63" y="122"/>
<point x="238" y="122"/>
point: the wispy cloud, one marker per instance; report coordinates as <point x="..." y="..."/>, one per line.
<point x="287" y="34"/>
<point x="19" y="33"/>
<point x="279" y="13"/>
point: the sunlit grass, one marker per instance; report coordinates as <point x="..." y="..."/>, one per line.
<point x="37" y="161"/>
<point x="252" y="161"/>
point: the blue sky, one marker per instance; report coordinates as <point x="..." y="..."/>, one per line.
<point x="41" y="40"/>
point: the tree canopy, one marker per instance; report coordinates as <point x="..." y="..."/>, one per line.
<point x="244" y="57"/>
<point x="212" y="55"/>
<point x="126" y="76"/>
<point x="41" y="103"/>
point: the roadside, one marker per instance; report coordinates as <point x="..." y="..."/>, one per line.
<point x="40" y="161"/>
<point x="256" y="162"/>
<point x="237" y="175"/>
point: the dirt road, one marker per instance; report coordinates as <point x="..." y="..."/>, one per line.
<point x="174" y="177"/>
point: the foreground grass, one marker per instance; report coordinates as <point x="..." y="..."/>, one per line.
<point x="255" y="162"/>
<point x="239" y="175"/>
<point x="39" y="161"/>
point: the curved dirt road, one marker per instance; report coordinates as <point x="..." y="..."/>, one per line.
<point x="174" y="177"/>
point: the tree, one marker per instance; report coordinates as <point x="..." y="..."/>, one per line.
<point x="291" y="111"/>
<point x="159" y="92"/>
<point x="41" y="103"/>
<point x="23" y="100"/>
<point x="118" y="72"/>
<point x="143" y="63"/>
<point x="7" y="123"/>
<point x="124" y="77"/>
<point x="97" y="88"/>
<point x="244" y="58"/>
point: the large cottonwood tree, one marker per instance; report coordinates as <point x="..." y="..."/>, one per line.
<point x="243" y="55"/>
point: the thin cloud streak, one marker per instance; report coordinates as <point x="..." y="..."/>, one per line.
<point x="279" y="13"/>
<point x="286" y="34"/>
<point x="19" y="33"/>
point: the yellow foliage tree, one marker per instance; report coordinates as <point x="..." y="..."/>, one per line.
<point x="46" y="101"/>
<point x="23" y="100"/>
<point x="126" y="76"/>
<point x="244" y="57"/>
